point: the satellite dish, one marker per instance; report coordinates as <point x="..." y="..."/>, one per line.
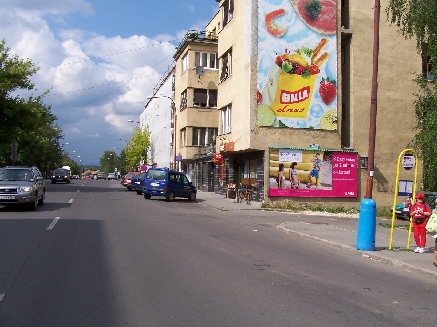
<point x="200" y="70"/>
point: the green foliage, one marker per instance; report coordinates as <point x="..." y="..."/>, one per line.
<point x="416" y="19"/>
<point x="109" y="161"/>
<point x="137" y="147"/>
<point x="298" y="206"/>
<point x="29" y="121"/>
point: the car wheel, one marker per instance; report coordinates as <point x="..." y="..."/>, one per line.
<point x="139" y="192"/>
<point x="34" y="204"/>
<point x="170" y="196"/>
<point x="128" y="188"/>
<point x="42" y="199"/>
<point x="147" y="196"/>
<point x="192" y="197"/>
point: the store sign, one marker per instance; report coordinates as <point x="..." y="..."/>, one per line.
<point x="218" y="158"/>
<point x="229" y="146"/>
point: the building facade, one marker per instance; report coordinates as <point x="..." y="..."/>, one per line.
<point x="158" y="118"/>
<point x="284" y="98"/>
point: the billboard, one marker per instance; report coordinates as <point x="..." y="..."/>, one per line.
<point x="297" y="64"/>
<point x="313" y="173"/>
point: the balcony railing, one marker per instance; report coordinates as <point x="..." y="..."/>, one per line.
<point x="206" y="149"/>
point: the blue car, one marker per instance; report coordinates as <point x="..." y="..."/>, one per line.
<point x="168" y="183"/>
<point x="137" y="183"/>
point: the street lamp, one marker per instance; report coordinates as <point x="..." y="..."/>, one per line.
<point x="173" y="107"/>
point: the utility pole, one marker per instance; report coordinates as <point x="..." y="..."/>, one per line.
<point x="373" y="103"/>
<point x="366" y="230"/>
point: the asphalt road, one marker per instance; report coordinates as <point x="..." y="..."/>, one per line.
<point x="98" y="255"/>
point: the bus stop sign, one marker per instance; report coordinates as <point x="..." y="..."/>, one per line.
<point x="408" y="161"/>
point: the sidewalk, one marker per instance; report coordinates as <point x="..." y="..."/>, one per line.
<point x="341" y="231"/>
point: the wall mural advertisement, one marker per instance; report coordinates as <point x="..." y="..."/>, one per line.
<point x="297" y="67"/>
<point x="313" y="173"/>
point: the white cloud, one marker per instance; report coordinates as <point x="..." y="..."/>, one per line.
<point x="97" y="82"/>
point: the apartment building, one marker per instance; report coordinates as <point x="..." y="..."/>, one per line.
<point x="296" y="89"/>
<point x="274" y="98"/>
<point x="158" y="117"/>
<point x="196" y="115"/>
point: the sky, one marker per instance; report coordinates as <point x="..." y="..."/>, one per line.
<point x="100" y="59"/>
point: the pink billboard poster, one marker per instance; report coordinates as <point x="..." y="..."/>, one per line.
<point x="313" y="173"/>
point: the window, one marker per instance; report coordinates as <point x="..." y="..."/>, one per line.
<point x="426" y="70"/>
<point x="182" y="138"/>
<point x="426" y="64"/>
<point x="183" y="100"/>
<point x="206" y="59"/>
<point x="226" y="61"/>
<point x="205" y="98"/>
<point x="228" y="11"/>
<point x="203" y="135"/>
<point x="185" y="62"/>
<point x="226" y="119"/>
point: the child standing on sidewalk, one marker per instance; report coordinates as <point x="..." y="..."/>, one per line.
<point x="420" y="212"/>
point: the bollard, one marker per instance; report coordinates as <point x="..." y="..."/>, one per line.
<point x="366" y="226"/>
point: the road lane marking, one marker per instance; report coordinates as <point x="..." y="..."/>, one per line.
<point x="2" y="295"/>
<point x="71" y="201"/>
<point x="53" y="223"/>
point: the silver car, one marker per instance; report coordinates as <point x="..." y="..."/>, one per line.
<point x="22" y="186"/>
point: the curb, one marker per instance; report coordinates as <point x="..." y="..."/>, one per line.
<point x="366" y="254"/>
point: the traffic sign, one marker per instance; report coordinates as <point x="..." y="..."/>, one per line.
<point x="408" y="161"/>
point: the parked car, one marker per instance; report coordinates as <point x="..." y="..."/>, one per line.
<point x="402" y="210"/>
<point x="22" y="186"/>
<point x="61" y="175"/>
<point x="137" y="183"/>
<point x="168" y="183"/>
<point x="101" y="175"/>
<point x="112" y="176"/>
<point x="74" y="176"/>
<point x="126" y="180"/>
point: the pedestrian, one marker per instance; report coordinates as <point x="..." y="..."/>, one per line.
<point x="292" y="175"/>
<point x="419" y="213"/>
<point x="281" y="177"/>
<point x="434" y="212"/>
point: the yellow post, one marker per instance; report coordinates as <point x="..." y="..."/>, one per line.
<point x="393" y="217"/>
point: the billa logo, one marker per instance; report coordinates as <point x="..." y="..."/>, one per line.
<point x="408" y="161"/>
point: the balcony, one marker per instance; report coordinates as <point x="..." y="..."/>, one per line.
<point x="198" y="36"/>
<point x="206" y="149"/>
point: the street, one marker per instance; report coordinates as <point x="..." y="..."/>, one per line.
<point x="96" y="254"/>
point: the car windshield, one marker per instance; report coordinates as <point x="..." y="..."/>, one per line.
<point x="60" y="172"/>
<point x="156" y="175"/>
<point x="16" y="175"/>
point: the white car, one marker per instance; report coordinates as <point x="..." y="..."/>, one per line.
<point x="112" y="176"/>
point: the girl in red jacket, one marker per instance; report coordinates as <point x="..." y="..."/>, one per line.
<point x="420" y="212"/>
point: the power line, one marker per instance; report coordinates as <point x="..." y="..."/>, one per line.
<point x="104" y="95"/>
<point x="95" y="87"/>
<point x="108" y="55"/>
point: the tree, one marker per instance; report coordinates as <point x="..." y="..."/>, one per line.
<point x="26" y="121"/>
<point x="137" y="147"/>
<point x="416" y="19"/>
<point x="108" y="162"/>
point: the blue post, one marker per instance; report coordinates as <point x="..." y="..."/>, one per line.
<point x="366" y="226"/>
